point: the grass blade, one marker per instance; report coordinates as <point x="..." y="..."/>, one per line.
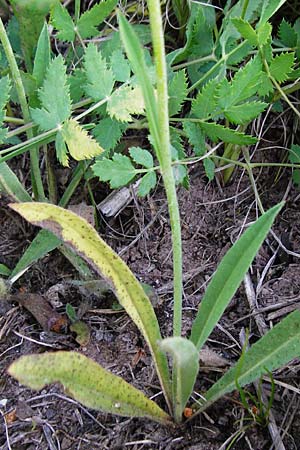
<point x="81" y="237"/>
<point x="87" y="382"/>
<point x="229" y="276"/>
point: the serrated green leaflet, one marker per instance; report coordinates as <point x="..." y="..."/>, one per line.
<point x="287" y="34"/>
<point x="195" y="137"/>
<point x="141" y="156"/>
<point x="54" y="97"/>
<point x="118" y="171"/>
<point x="108" y="132"/>
<point x="87" y="382"/>
<point x="62" y="21"/>
<point x="100" y="78"/>
<point x="120" y="66"/>
<point x="245" y="29"/>
<point x="81" y="237"/>
<point x="91" y="19"/>
<point x="229" y="275"/>
<point x="240" y="114"/>
<point x="276" y="348"/>
<point x="185" y="370"/>
<point x="217" y="132"/>
<point x="177" y="92"/>
<point x="281" y="65"/>
<point x="204" y="105"/>
<point x="147" y="183"/>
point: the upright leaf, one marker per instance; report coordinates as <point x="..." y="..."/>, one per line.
<point x="204" y="105"/>
<point x="287" y="34"/>
<point x="54" y="97"/>
<point x="81" y="237"/>
<point x="229" y="275"/>
<point x="42" y="56"/>
<point x="186" y="362"/>
<point x="100" y="78"/>
<point x="10" y="184"/>
<point x="120" y="66"/>
<point x="276" y="348"/>
<point x="245" y="29"/>
<point x="108" y="132"/>
<point x="87" y="382"/>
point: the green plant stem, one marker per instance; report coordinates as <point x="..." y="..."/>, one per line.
<point x="244" y="10"/>
<point x="164" y="156"/>
<point x="37" y="183"/>
<point x="15" y="120"/>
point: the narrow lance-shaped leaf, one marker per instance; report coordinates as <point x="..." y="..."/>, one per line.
<point x="83" y="238"/>
<point x="10" y="184"/>
<point x="136" y="57"/>
<point x="42" y="56"/>
<point x="280" y="345"/>
<point x="87" y="382"/>
<point x="185" y="370"/>
<point x="269" y="8"/>
<point x="229" y="275"/>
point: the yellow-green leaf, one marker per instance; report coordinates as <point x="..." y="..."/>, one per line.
<point x="83" y="238"/>
<point x="87" y="382"/>
<point x="80" y="144"/>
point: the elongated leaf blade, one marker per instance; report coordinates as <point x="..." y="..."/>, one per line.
<point x="83" y="238"/>
<point x="279" y="346"/>
<point x="136" y="57"/>
<point x="87" y="382"/>
<point x="10" y="184"/>
<point x="186" y="368"/>
<point x="269" y="8"/>
<point x="229" y="275"/>
<point x="42" y="56"/>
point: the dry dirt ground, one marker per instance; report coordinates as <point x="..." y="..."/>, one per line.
<point x="212" y="219"/>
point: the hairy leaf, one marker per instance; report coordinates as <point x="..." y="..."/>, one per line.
<point x="147" y="183"/>
<point x="141" y="156"/>
<point x="125" y="101"/>
<point x="100" y="78"/>
<point x="218" y="132"/>
<point x="277" y="347"/>
<point x="185" y="367"/>
<point x="82" y="238"/>
<point x="80" y="144"/>
<point x="92" y="18"/>
<point x="118" y="171"/>
<point x="108" y="132"/>
<point x="87" y="382"/>
<point x="54" y="97"/>
<point x="229" y="275"/>
<point x="62" y="21"/>
<point x="177" y="92"/>
<point x="240" y="114"/>
<point x="281" y="65"/>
